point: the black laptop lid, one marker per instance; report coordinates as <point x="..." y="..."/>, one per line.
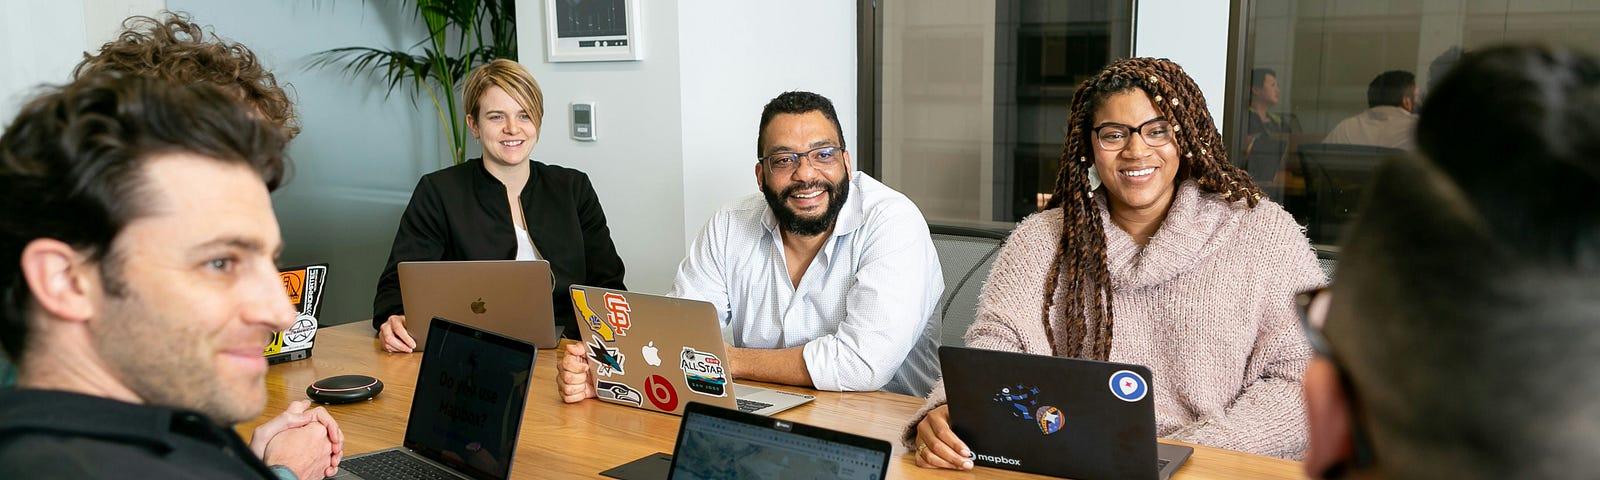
<point x="716" y="442"/>
<point x="1056" y="416"/>
<point x="471" y="390"/>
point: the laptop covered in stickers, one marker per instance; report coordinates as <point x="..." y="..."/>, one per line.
<point x="1063" y="417"/>
<point x="660" y="353"/>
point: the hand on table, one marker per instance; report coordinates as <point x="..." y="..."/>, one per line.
<point x="307" y="440"/>
<point x="574" y="380"/>
<point x="394" y="335"/>
<point x="937" y="445"/>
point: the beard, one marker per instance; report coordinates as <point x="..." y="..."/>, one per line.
<point x="792" y="222"/>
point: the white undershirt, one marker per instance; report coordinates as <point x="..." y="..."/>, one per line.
<point x="525" y="250"/>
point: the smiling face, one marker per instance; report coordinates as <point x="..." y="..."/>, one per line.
<point x="194" y="293"/>
<point x="507" y="130"/>
<point x="1138" y="178"/>
<point x="808" y="198"/>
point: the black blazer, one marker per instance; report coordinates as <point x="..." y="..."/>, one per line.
<point x="460" y="213"/>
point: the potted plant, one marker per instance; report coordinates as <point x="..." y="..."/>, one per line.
<point x="462" y="34"/>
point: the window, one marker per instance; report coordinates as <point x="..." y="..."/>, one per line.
<point x="972" y="97"/>
<point x="1346" y="76"/>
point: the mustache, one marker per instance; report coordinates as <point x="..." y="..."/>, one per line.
<point x="792" y="189"/>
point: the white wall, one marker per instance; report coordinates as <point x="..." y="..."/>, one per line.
<point x="1193" y="33"/>
<point x="677" y="130"/>
<point x="40" y="41"/>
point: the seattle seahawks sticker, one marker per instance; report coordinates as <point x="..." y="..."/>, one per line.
<point x="619" y="392"/>
<point x="609" y="359"/>
<point x="703" y="373"/>
<point x="1128" y="386"/>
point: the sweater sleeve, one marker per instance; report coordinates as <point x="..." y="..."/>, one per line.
<point x="1011" y="302"/>
<point x="1268" y="416"/>
<point x="422" y="235"/>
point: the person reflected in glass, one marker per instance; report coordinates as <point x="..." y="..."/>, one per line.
<point x="1265" y="141"/>
<point x="1388" y="122"/>
<point x="1175" y="261"/>
<point x="503" y="206"/>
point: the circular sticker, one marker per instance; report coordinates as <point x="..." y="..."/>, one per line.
<point x="661" y="393"/>
<point x="1128" y="386"/>
<point x="1049" y="419"/>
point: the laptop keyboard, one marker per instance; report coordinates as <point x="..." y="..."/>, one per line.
<point x="394" y="464"/>
<point x="750" y="406"/>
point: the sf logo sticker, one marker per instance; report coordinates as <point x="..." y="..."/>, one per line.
<point x="661" y="393"/>
<point x="1128" y="386"/>
<point x="617" y="313"/>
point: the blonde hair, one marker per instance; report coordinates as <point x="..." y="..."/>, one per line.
<point x="511" y="77"/>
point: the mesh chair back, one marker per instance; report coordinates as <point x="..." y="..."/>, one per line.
<point x="965" y="256"/>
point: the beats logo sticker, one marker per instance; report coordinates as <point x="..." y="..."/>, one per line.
<point x="661" y="393"/>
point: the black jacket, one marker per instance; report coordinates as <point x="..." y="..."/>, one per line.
<point x="52" y="434"/>
<point x="460" y="213"/>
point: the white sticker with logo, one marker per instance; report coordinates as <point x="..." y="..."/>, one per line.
<point x="1129" y="386"/>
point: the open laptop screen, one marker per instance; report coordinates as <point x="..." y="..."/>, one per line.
<point x="716" y="443"/>
<point x="471" y="391"/>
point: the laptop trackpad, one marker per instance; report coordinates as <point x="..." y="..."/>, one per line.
<point x="655" y="466"/>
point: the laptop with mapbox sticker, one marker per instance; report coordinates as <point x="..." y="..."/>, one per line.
<point x="1062" y="417"/>
<point x="659" y="353"/>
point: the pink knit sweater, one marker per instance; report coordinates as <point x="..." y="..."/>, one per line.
<point x="1207" y="304"/>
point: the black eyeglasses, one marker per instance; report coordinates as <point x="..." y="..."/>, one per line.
<point x="1313" y="307"/>
<point x="786" y="162"/>
<point x="1113" y="137"/>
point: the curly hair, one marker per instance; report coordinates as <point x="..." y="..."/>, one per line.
<point x="175" y="49"/>
<point x="1079" y="266"/>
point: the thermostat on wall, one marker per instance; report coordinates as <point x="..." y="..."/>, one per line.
<point x="583" y="128"/>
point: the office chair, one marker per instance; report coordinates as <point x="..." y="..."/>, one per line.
<point x="1336" y="178"/>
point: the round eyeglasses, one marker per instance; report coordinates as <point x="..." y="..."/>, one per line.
<point x="1113" y="137"/>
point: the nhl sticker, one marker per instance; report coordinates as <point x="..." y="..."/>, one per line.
<point x="617" y="391"/>
<point x="581" y="302"/>
<point x="703" y="373"/>
<point x="661" y="393"/>
<point x="617" y="313"/>
<point x="1022" y="402"/>
<point x="607" y="358"/>
<point x="1128" y="386"/>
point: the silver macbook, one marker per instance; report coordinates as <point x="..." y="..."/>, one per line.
<point x="660" y="353"/>
<point x="466" y="412"/>
<point x="508" y="297"/>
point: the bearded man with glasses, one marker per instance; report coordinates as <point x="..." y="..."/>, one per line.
<point x="827" y="279"/>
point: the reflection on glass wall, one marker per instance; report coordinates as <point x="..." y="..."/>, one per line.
<point x="1332" y="86"/>
<point x="974" y="95"/>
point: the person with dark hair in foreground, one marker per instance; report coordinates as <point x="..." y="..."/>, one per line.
<point x="827" y="279"/>
<point x="1154" y="250"/>
<point x="1388" y="122"/>
<point x="137" y="247"/>
<point x="1459" y="338"/>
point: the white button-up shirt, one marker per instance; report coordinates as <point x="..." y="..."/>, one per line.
<point x="866" y="302"/>
<point x="1380" y="126"/>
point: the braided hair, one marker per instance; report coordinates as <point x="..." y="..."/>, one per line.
<point x="1079" y="266"/>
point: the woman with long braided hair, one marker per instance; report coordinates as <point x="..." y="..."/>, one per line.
<point x="1154" y="250"/>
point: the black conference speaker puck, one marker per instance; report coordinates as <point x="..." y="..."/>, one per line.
<point x="344" y="389"/>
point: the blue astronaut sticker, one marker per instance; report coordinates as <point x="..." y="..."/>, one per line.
<point x="1022" y="402"/>
<point x="1128" y="386"/>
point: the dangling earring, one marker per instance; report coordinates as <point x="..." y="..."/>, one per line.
<point x="1094" y="179"/>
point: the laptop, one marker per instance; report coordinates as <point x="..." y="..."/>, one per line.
<point x="466" y="411"/>
<point x="715" y="442"/>
<point x="1062" y="417"/>
<point x="304" y="285"/>
<point x="660" y="353"/>
<point x="508" y="297"/>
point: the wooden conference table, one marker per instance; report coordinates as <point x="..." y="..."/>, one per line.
<point x="582" y="439"/>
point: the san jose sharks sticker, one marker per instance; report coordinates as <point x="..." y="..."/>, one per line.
<point x="703" y="373"/>
<point x="1128" y="386"/>
<point x="609" y="360"/>
<point x="619" y="392"/>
